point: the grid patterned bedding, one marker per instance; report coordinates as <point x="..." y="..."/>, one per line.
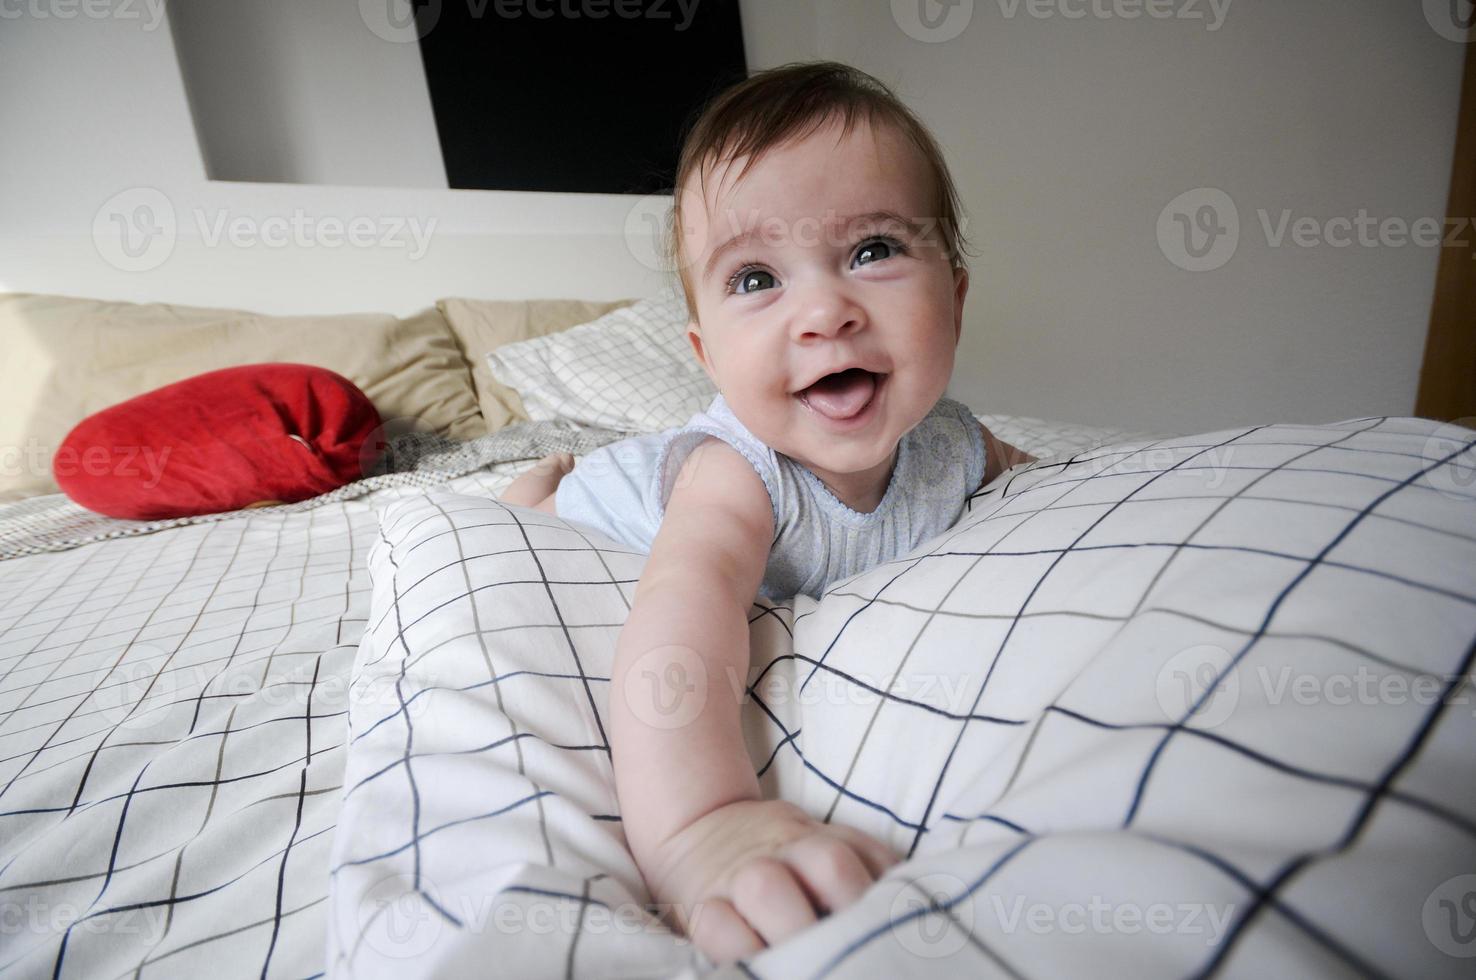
<point x="1192" y="706"/>
<point x="173" y="713"/>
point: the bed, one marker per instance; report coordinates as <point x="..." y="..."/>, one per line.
<point x="1157" y="704"/>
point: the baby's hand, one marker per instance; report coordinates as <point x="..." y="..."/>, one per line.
<point x="751" y="873"/>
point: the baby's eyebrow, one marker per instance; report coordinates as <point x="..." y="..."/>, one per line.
<point x="744" y="238"/>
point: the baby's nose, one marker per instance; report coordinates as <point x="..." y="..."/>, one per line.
<point x="829" y="315"/>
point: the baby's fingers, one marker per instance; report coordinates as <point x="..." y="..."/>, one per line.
<point x="720" y="933"/>
<point x="766" y="894"/>
<point x="830" y="870"/>
<point x="878" y="856"/>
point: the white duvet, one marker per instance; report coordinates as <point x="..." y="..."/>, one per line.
<point x="1198" y="706"/>
<point x="174" y="707"/>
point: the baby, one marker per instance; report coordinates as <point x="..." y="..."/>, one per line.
<point x="814" y="229"/>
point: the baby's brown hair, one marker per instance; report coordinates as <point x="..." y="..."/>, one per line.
<point x="789" y="102"/>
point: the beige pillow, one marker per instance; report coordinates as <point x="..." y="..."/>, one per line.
<point x="482" y="325"/>
<point x="62" y="359"/>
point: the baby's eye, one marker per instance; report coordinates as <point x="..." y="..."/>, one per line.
<point x="750" y="280"/>
<point x="879" y="248"/>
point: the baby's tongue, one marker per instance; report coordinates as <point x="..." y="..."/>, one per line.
<point x="839" y="396"/>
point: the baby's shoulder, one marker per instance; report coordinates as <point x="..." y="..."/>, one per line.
<point x="709" y="458"/>
<point x="715" y="474"/>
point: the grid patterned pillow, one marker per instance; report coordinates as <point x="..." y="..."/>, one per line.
<point x="1120" y="682"/>
<point x="632" y="369"/>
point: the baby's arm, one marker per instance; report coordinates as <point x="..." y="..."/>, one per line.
<point x="999" y="456"/>
<point x="536" y="486"/>
<point x="736" y="871"/>
<point x="692" y="600"/>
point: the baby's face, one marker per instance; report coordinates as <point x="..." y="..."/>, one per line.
<point x="843" y="268"/>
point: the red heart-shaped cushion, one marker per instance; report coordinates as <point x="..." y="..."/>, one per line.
<point x="221" y="441"/>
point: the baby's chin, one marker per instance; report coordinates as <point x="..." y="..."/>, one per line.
<point x="842" y="457"/>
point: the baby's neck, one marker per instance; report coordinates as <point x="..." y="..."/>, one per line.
<point x="862" y="491"/>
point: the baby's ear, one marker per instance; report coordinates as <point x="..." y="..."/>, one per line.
<point x="694" y="337"/>
<point x="960" y="290"/>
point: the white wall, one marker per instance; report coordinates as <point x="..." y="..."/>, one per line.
<point x="284" y="90"/>
<point x="1067" y="139"/>
<point x="95" y="107"/>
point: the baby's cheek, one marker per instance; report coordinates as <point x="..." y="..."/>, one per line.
<point x="934" y="370"/>
<point x="771" y="419"/>
<point x="766" y="404"/>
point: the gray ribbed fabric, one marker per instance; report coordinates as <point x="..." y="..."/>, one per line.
<point x="622" y="489"/>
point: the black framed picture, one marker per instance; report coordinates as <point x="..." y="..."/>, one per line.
<point x="573" y="95"/>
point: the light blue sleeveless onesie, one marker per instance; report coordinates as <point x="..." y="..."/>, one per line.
<point x="621" y="489"/>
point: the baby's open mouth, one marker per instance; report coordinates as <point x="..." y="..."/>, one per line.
<point x="842" y="395"/>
